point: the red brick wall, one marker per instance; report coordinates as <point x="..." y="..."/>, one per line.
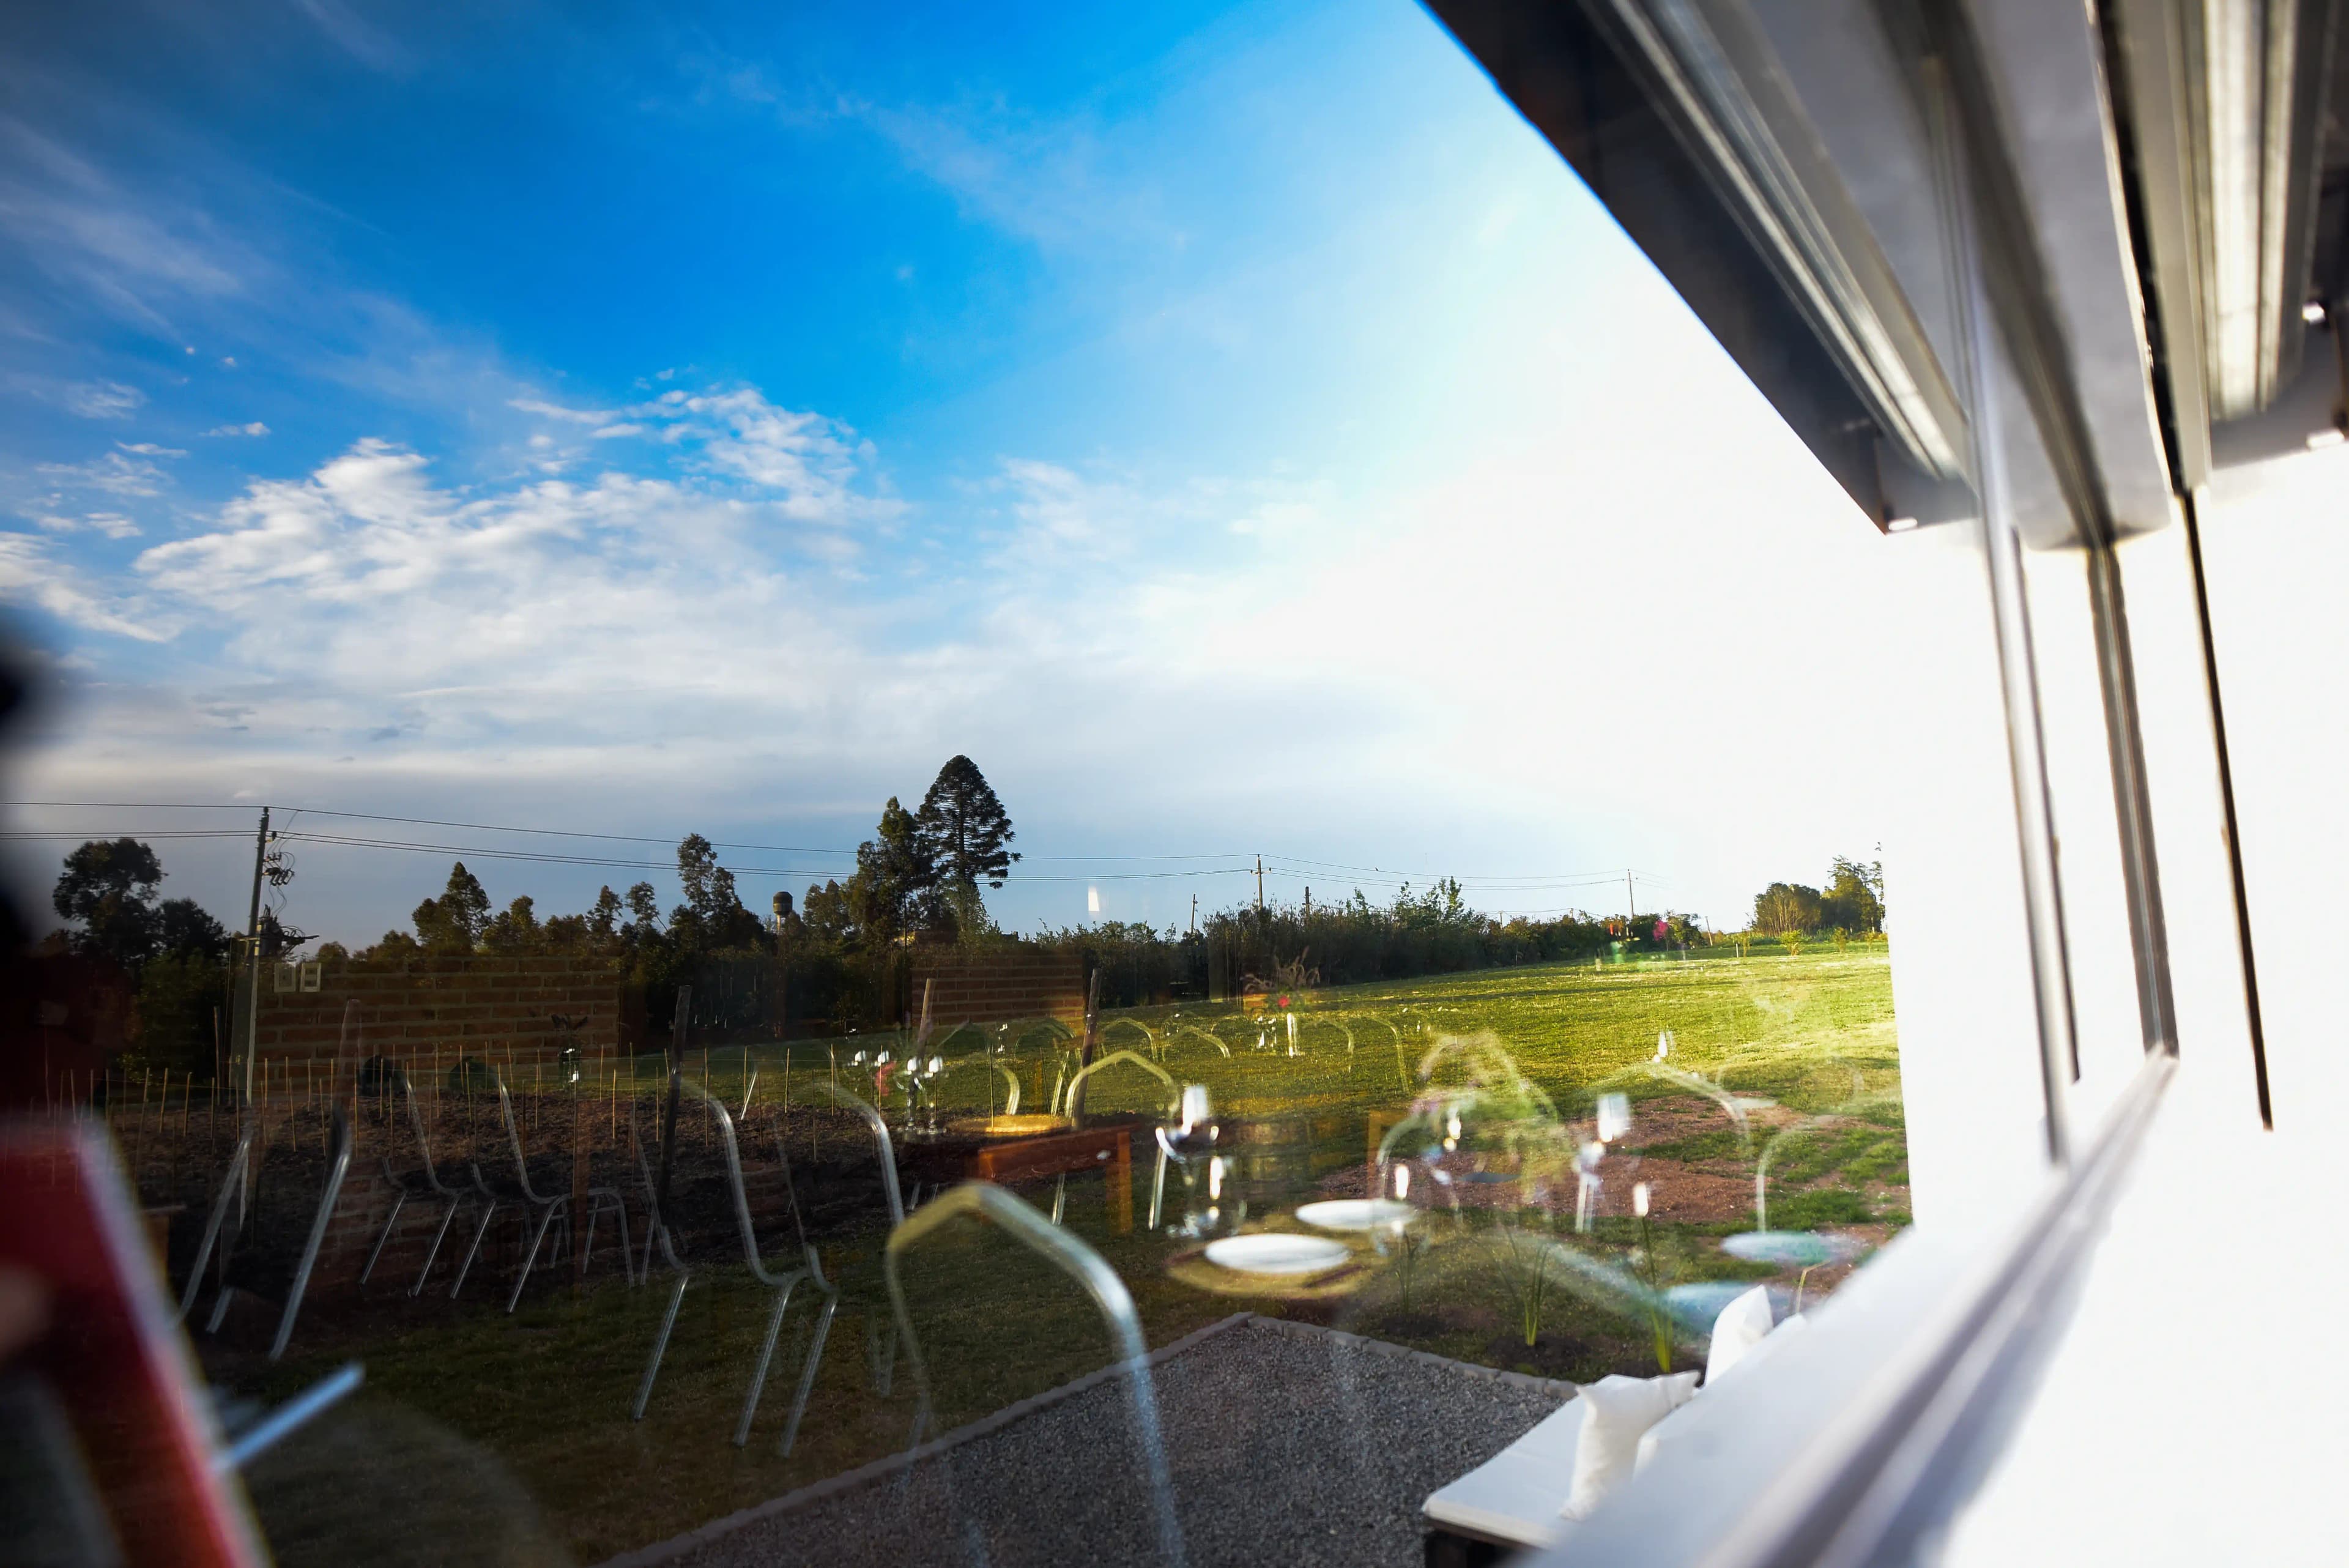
<point x="990" y="988"/>
<point x="464" y="1006"/>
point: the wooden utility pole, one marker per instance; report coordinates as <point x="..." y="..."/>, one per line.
<point x="1259" y="885"/>
<point x="252" y="936"/>
<point x="1631" y="902"/>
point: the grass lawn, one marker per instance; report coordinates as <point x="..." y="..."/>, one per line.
<point x="510" y="1437"/>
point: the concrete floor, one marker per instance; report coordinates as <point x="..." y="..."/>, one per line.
<point x="1287" y="1444"/>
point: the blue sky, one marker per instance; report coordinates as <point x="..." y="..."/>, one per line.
<point x="1230" y="426"/>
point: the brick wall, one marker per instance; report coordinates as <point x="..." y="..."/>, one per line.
<point x="996" y="987"/>
<point x="413" y="1009"/>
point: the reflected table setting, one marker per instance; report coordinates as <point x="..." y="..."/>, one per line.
<point x="966" y="1152"/>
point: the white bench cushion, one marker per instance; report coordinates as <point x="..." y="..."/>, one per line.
<point x="1511" y="1499"/>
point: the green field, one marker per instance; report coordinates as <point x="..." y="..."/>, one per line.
<point x="469" y="1412"/>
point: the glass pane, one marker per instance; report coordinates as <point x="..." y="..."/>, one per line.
<point x="774" y="746"/>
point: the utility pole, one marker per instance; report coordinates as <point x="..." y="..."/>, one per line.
<point x="1309" y="903"/>
<point x="252" y="936"/>
<point x="1631" y="901"/>
<point x="1195" y="914"/>
<point x="1260" y="885"/>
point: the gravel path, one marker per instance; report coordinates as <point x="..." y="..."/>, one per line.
<point x="1290" y="1444"/>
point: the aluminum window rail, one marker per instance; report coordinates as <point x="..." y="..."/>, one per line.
<point x="1714" y="66"/>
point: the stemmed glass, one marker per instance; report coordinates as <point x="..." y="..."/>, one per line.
<point x="1188" y="1141"/>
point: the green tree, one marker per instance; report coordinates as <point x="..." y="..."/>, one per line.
<point x="712" y="915"/>
<point x="829" y="913"/>
<point x="453" y="922"/>
<point x="109" y="885"/>
<point x="644" y="922"/>
<point x="604" y="917"/>
<point x="964" y="828"/>
<point x="516" y="930"/>
<point x="1785" y="907"/>
<point x="1854" y="899"/>
<point x="186" y="928"/>
<point x="899" y="881"/>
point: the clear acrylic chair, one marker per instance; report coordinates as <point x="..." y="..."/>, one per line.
<point x="549" y="1208"/>
<point x="783" y="1284"/>
<point x="985" y="1201"/>
<point x="424" y="1185"/>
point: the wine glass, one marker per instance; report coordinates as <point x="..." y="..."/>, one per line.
<point x="1188" y="1141"/>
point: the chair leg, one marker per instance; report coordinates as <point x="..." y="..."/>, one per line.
<point x="766" y="1357"/>
<point x="397" y="1204"/>
<point x="660" y="1345"/>
<point x="627" y="1254"/>
<point x="212" y="1237"/>
<point x="530" y="1259"/>
<point x="432" y="1253"/>
<point x="489" y="1214"/>
<point x="596" y="1207"/>
<point x="1060" y="1196"/>
<point x="807" y="1373"/>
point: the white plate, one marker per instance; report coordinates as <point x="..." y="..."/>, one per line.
<point x="1354" y="1213"/>
<point x="1271" y="1254"/>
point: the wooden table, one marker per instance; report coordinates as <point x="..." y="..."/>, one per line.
<point x="1006" y="1160"/>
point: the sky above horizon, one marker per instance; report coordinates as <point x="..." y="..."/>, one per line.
<point x="1231" y="426"/>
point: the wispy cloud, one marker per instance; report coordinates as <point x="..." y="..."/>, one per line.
<point x="113" y="524"/>
<point x="137" y="255"/>
<point x="148" y="449"/>
<point x="112" y="472"/>
<point x="28" y="572"/>
<point x="256" y="428"/>
<point x="103" y="400"/>
<point x="356" y="35"/>
<point x="807" y="466"/>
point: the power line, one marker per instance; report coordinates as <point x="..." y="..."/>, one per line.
<point x="542" y="832"/>
<point x="486" y="852"/>
<point x="1281" y="864"/>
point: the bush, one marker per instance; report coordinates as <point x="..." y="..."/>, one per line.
<point x="172" y="1026"/>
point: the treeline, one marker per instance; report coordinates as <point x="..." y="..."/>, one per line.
<point x="920" y="876"/>
<point x="1290" y="947"/>
<point x="1852" y="903"/>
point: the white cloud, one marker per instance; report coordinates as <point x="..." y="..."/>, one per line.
<point x="113" y="524"/>
<point x="804" y="464"/>
<point x="103" y="400"/>
<point x="255" y="428"/>
<point x="28" y="574"/>
<point x="148" y="449"/>
<point x="112" y="472"/>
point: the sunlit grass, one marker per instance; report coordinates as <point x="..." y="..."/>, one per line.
<point x="547" y="1391"/>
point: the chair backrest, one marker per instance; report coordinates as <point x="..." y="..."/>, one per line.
<point x="423" y="1139"/>
<point x="730" y="1148"/>
<point x="1072" y="1098"/>
<point x="514" y="1137"/>
<point x="656" y="1223"/>
<point x="1023" y="1224"/>
<point x="880" y="1141"/>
